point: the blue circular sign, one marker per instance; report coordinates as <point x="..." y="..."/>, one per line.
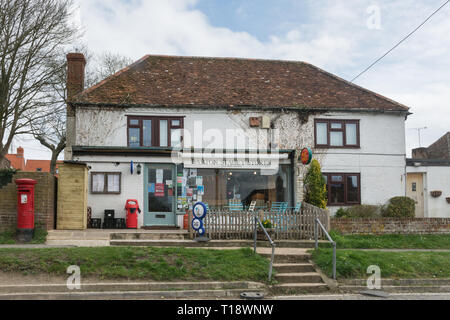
<point x="199" y="210"/>
<point x="197" y="224"/>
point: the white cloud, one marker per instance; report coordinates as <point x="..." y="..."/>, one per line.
<point x="334" y="36"/>
<point x="176" y="27"/>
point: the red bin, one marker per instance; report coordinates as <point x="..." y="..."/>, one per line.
<point x="132" y="208"/>
<point x="25" y="209"/>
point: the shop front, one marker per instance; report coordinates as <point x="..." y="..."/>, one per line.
<point x="221" y="181"/>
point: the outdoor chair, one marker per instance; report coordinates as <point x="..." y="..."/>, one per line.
<point x="235" y="206"/>
<point x="279" y="208"/>
<point x="252" y="206"/>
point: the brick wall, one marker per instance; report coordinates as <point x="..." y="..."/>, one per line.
<point x="44" y="200"/>
<point x="391" y="226"/>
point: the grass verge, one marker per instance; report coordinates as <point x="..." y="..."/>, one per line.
<point x="391" y="241"/>
<point x="9" y="237"/>
<point x="395" y="265"/>
<point x="138" y="263"/>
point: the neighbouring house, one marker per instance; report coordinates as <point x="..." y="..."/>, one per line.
<point x="169" y="131"/>
<point x="40" y="166"/>
<point x="428" y="181"/>
<point x="17" y="161"/>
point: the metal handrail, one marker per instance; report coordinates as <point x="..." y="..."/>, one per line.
<point x="333" y="243"/>
<point x="258" y="220"/>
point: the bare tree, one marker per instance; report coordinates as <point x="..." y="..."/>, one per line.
<point x="32" y="33"/>
<point x="50" y="130"/>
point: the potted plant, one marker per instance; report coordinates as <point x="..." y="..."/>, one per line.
<point x="269" y="228"/>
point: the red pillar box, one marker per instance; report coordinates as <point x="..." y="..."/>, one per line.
<point x="132" y="208"/>
<point x="25" y="209"/>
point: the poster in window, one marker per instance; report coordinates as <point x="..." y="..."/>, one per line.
<point x="151" y="188"/>
<point x="201" y="190"/>
<point x="191" y="181"/>
<point x="199" y="181"/>
<point x="193" y="172"/>
<point x="159" y="190"/>
<point x="189" y="192"/>
<point x="159" y="175"/>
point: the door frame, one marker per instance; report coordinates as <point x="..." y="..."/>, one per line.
<point x="147" y="221"/>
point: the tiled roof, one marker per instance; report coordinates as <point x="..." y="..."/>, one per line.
<point x="43" y="165"/>
<point x="16" y="162"/>
<point x="228" y="82"/>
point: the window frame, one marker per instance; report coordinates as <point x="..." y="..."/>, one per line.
<point x="345" y="176"/>
<point x="155" y="129"/>
<point x="105" y="183"/>
<point x="344" y="123"/>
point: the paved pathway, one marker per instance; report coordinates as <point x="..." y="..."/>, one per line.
<point x="392" y="296"/>
<point x="30" y="246"/>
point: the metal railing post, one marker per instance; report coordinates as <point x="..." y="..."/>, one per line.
<point x="272" y="258"/>
<point x="317" y="223"/>
<point x="316" y="233"/>
<point x="271" y="262"/>
<point x="334" y="260"/>
<point x="255" y="234"/>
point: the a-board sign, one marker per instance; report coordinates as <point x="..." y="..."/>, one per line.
<point x="197" y="224"/>
<point x="199" y="210"/>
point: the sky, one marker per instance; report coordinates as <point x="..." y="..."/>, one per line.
<point x="341" y="36"/>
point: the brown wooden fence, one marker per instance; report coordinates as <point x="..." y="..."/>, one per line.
<point x="290" y="225"/>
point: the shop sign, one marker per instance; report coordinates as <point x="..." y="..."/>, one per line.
<point x="306" y="156"/>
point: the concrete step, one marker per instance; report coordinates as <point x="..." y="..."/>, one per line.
<point x="306" y="277"/>
<point x="155" y="237"/>
<point x="78" y="243"/>
<point x="131" y="295"/>
<point x="286" y="258"/>
<point x="137" y="286"/>
<point x="293" y="267"/>
<point x="120" y="240"/>
<point x="298" y="288"/>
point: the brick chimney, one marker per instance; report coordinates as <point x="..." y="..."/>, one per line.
<point x="76" y="64"/>
<point x="75" y="76"/>
<point x="20" y="152"/>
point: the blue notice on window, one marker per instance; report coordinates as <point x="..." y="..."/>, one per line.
<point x="151" y="188"/>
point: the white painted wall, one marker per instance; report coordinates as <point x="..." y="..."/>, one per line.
<point x="436" y="178"/>
<point x="132" y="187"/>
<point x="380" y="161"/>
